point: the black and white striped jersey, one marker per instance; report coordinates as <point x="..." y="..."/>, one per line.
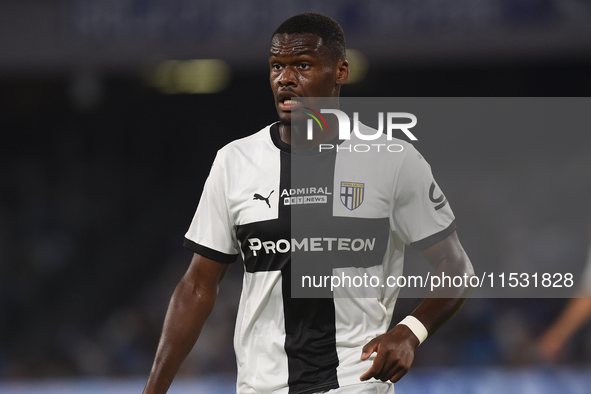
<point x="280" y="208"/>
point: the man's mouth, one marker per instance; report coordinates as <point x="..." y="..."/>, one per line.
<point x="288" y="104"/>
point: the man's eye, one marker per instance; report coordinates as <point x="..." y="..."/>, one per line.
<point x="304" y="65"/>
<point x="276" y="66"/>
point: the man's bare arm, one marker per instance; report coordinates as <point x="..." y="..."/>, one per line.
<point x="190" y="306"/>
<point x="443" y="303"/>
<point x="575" y="314"/>
<point x="395" y="349"/>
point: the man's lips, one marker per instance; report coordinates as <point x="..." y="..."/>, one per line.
<point x="287" y="101"/>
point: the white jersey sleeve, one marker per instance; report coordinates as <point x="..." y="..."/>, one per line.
<point x="422" y="215"/>
<point x="212" y="232"/>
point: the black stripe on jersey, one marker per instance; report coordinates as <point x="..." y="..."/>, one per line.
<point x="267" y="230"/>
<point x="431" y="240"/>
<point x="209" y="253"/>
<point x="318" y="263"/>
<point x="310" y="330"/>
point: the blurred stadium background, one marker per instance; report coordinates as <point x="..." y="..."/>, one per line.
<point x="112" y="111"/>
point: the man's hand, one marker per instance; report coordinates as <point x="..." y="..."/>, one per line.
<point x="396" y="352"/>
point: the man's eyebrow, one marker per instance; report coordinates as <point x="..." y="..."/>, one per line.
<point x="305" y="52"/>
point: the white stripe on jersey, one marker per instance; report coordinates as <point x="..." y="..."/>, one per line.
<point x="260" y="332"/>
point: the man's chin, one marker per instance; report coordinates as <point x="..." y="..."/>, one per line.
<point x="284" y="117"/>
<point x="292" y="118"/>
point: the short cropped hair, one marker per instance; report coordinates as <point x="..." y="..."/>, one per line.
<point x="323" y="26"/>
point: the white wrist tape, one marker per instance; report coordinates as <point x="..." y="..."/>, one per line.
<point x="416" y="327"/>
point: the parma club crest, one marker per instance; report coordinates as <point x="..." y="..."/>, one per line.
<point x="352" y="194"/>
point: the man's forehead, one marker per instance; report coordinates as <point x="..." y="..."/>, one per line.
<point x="290" y="44"/>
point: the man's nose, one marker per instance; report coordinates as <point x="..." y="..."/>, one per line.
<point x="287" y="77"/>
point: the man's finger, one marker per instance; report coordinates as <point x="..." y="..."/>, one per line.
<point x="376" y="367"/>
<point x="368" y="374"/>
<point x="398" y="375"/>
<point x="369" y="348"/>
<point x="392" y="373"/>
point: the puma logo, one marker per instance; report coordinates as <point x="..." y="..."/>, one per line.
<point x="259" y="197"/>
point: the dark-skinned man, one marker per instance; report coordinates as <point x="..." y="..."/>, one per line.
<point x="309" y="345"/>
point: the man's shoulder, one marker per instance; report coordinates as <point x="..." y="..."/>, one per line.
<point x="259" y="140"/>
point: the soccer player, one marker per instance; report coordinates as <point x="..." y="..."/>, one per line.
<point x="311" y="345"/>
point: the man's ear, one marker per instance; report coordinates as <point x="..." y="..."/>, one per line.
<point x="342" y="72"/>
